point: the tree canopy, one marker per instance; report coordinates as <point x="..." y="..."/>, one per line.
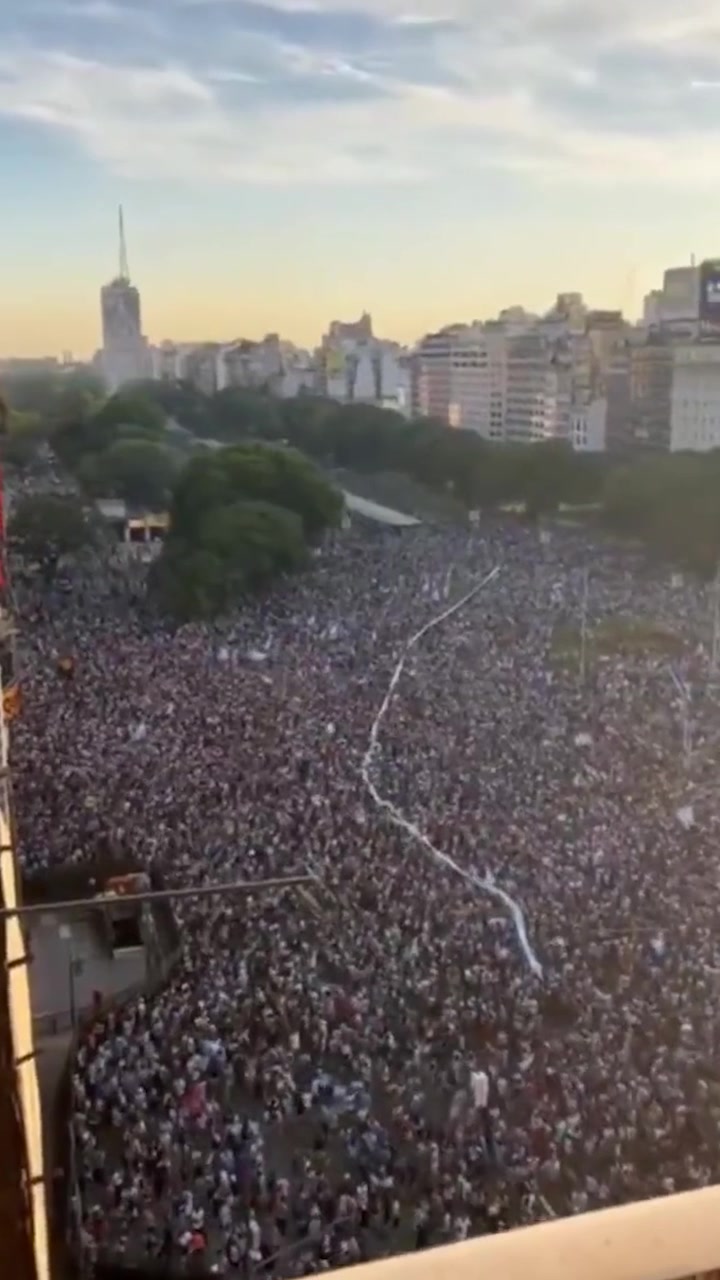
<point x="119" y="445"/>
<point x="136" y="469"/>
<point x="276" y="475"/>
<point x="239" y="517"/>
<point x="24" y="437"/>
<point x="125" y="409"/>
<point x="57" y="395"/>
<point x="46" y="526"/>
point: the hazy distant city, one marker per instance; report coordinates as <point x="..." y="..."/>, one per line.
<point x="590" y="377"/>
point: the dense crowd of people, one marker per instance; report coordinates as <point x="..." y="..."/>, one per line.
<point x="371" y="1064"/>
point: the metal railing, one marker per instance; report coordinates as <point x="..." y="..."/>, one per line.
<point x="673" y="1238"/>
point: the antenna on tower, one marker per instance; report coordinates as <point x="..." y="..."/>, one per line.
<point x="124" y="268"/>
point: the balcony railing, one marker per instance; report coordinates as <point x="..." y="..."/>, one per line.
<point x="18" y="998"/>
<point x="673" y="1238"/>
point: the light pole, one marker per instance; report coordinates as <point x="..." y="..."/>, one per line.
<point x="685" y="720"/>
<point x="715" y="642"/>
<point x="583" y="623"/>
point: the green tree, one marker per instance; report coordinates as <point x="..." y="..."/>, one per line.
<point x="25" y="435"/>
<point x="188" y="582"/>
<point x="310" y="424"/>
<point x="20" y="451"/>
<point x="283" y="477"/>
<point x="122" y="417"/>
<point x="55" y="395"/>
<point x="239" y="517"/>
<point x="46" y="526"/>
<point x="136" y="469"/>
<point x="71" y="441"/>
<point x="78" y="398"/>
<point x="255" y="540"/>
<point x="126" y="409"/>
<point x="238" y="548"/>
<point x="672" y="504"/>
<point x="255" y="472"/>
<point x="237" y="414"/>
<point x="178" y="400"/>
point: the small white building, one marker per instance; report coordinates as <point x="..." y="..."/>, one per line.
<point x="588" y="424"/>
<point x="695" y="398"/>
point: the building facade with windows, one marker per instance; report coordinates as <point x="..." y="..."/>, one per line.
<point x="588" y="424"/>
<point x="125" y="353"/>
<point x="695" y="398"/>
<point x="478" y="369"/>
<point x="434" y="373"/>
<point x="639" y="395"/>
<point x="538" y="389"/>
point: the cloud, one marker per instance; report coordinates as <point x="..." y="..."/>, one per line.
<point x="373" y="91"/>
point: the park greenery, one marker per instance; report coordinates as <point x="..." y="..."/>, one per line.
<point x="250" y="480"/>
<point x="44" y="527"/>
<point x="623" y="636"/>
<point x="239" y="516"/>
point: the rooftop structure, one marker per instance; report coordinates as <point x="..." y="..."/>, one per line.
<point x="374" y="511"/>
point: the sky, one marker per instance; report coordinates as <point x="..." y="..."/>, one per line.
<point x="285" y="162"/>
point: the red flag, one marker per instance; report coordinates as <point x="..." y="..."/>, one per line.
<point x="3" y="576"/>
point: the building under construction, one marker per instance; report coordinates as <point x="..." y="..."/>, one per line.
<point x="23" y="1211"/>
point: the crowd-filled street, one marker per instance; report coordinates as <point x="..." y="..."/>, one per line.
<point x="378" y="1064"/>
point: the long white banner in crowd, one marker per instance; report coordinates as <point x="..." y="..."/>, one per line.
<point x="485" y="884"/>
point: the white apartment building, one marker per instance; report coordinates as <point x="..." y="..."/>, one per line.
<point x="538" y="393"/>
<point x="434" y="373"/>
<point x="676" y="307"/>
<point x="252" y="364"/>
<point x="477" y="360"/>
<point x="588" y="424"/>
<point x="166" y="362"/>
<point x="213" y="366"/>
<point x="297" y="378"/>
<point x="522" y="378"/>
<point x="695" y="398"/>
<point x="357" y="368"/>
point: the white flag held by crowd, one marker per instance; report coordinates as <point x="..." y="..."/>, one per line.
<point x="480" y="1088"/>
<point x="686" y="816"/>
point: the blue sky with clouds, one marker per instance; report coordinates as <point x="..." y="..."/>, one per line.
<point x="288" y="160"/>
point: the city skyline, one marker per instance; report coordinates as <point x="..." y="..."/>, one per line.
<point x="286" y="162"/>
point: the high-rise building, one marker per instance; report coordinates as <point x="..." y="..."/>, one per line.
<point x="695" y="399"/>
<point x="355" y="367"/>
<point x="434" y="372"/>
<point x="538" y="389"/>
<point x="125" y="356"/>
<point x="675" y="309"/>
<point x="639" y="394"/>
<point x="478" y="365"/>
<point x="606" y="332"/>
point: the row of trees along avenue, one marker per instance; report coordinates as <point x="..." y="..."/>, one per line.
<point x="245" y="512"/>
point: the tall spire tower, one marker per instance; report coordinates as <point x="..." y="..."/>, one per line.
<point x="124" y="267"/>
<point x="125" y="356"/>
